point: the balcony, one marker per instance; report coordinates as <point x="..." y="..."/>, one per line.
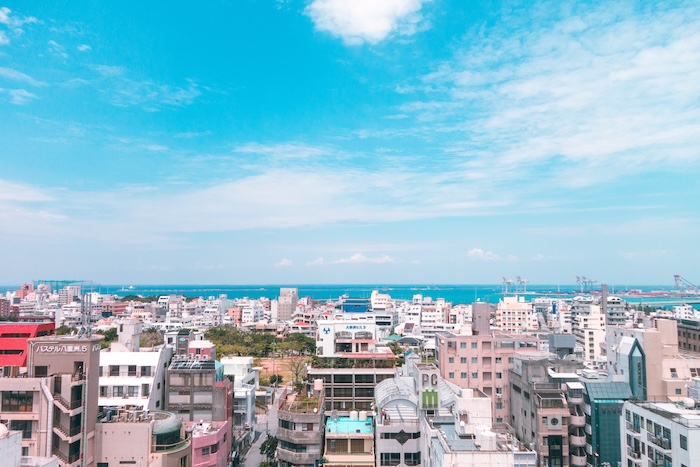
<point x="578" y="459"/>
<point x="298" y="457"/>
<point x="299" y="437"/>
<point x="660" y="442"/>
<point x="635" y="455"/>
<point x="578" y="438"/>
<point x="635" y="429"/>
<point x="577" y="419"/>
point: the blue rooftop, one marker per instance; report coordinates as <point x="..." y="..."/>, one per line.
<point x="346" y="426"/>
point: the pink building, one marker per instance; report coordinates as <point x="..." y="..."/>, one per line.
<point x="480" y="359"/>
<point x="211" y="443"/>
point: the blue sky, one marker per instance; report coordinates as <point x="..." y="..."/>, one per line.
<point x="328" y="141"/>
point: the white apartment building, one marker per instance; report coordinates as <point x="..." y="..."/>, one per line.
<point x="134" y="378"/>
<point x="515" y="315"/>
<point x="660" y="434"/>
<point x="589" y="329"/>
<point x="252" y="313"/>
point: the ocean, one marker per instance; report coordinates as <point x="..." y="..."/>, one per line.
<point x="454" y="293"/>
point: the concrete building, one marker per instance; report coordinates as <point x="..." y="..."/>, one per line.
<point x="155" y="439"/>
<point x="660" y="434"/>
<point x="602" y="404"/>
<point x="546" y="409"/>
<point x="301" y="427"/>
<point x="689" y="336"/>
<point x="352" y="387"/>
<point x="13" y="341"/>
<point x="515" y="315"/>
<point x="73" y="364"/>
<point x="287" y="303"/>
<point x="11" y="451"/>
<point x="211" y="443"/>
<point x="134" y="378"/>
<point x="589" y="330"/>
<point x="480" y="359"/>
<point x="647" y="357"/>
<point x="349" y="440"/>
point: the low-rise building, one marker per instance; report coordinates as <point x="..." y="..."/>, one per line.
<point x="140" y="437"/>
<point x="211" y="443"/>
<point x="300" y="431"/>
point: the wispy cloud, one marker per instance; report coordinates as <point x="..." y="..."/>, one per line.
<point x="316" y="262"/>
<point x="14" y="23"/>
<point x="14" y="75"/>
<point x="594" y="95"/>
<point x="284" y="262"/>
<point x="361" y="258"/>
<point x="20" y="96"/>
<point x="481" y="254"/>
<point x="20" y="192"/>
<point x="366" y="21"/>
<point x="4" y="40"/>
<point x="57" y="49"/>
<point x="84" y="48"/>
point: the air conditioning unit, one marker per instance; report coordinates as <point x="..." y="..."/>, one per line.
<point x="554" y="422"/>
<point x="498" y="396"/>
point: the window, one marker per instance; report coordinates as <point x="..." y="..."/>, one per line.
<point x="133" y="391"/>
<point x="145" y="389"/>
<point x="145" y="371"/>
<point x="674" y="373"/>
<point x="498" y="360"/>
<point x="451" y="360"/>
<point x="25" y="426"/>
<point x="357" y="446"/>
<point x="463" y="360"/>
<point x="511" y="359"/>
<point x="475" y="345"/>
<point x="114" y="370"/>
<point x="205" y="451"/>
<point x="132" y="370"/>
<point x="411" y="458"/>
<point x="678" y="391"/>
<point x="499" y="405"/>
<point x="499" y="390"/>
<point x="451" y="374"/>
<point x="40" y="371"/>
<point x="462" y="345"/>
<point x="103" y="391"/>
<point x="475" y="375"/>
<point x="390" y="458"/>
<point x="17" y="401"/>
<point x="463" y="375"/>
<point x="499" y="375"/>
<point x="684" y="443"/>
<point x="118" y="391"/>
<point x="475" y="360"/>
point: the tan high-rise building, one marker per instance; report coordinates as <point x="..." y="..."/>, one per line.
<point x="55" y="403"/>
<point x="287" y="303"/>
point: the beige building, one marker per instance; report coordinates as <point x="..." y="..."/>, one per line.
<point x="54" y="404"/>
<point x="156" y="439"/>
<point x="514" y="314"/>
<point x="589" y="329"/>
<point x="647" y="356"/>
<point x="287" y="303"/>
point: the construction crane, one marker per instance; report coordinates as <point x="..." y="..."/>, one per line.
<point x="584" y="283"/>
<point x="506" y="283"/>
<point x="520" y="284"/>
<point x="684" y="286"/>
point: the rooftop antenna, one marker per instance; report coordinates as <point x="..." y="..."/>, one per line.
<point x="85" y="316"/>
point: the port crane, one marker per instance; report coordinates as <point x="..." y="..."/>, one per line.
<point x="685" y="286"/>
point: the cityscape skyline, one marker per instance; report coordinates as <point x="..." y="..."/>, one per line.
<point x="332" y="142"/>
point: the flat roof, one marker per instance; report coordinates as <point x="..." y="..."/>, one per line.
<point x="344" y="425"/>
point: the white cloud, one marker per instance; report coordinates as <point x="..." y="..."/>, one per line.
<point x="360" y="258"/>
<point x="57" y="49"/>
<point x="479" y="253"/>
<point x="574" y="102"/>
<point x="4" y="40"/>
<point x="317" y="262"/>
<point x="109" y="70"/>
<point x="84" y="48"/>
<point x="284" y="262"/>
<point x="370" y="21"/>
<point x="15" y="75"/>
<point x="20" y="96"/>
<point x="11" y="191"/>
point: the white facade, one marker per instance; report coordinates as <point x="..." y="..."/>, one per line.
<point x="660" y="434"/>
<point x="134" y="378"/>
<point x="589" y="330"/>
<point x="514" y="314"/>
<point x="344" y="338"/>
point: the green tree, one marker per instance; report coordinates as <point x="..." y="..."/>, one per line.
<point x="268" y="448"/>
